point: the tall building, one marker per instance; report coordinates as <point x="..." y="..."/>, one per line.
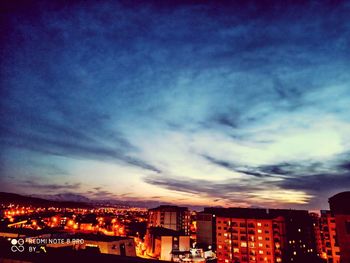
<point x="340" y="208"/>
<point x="171" y="217"/>
<point x="316" y="222"/>
<point x="206" y="231"/>
<point x="257" y="235"/>
<point x="299" y="236"/>
<point x="330" y="246"/>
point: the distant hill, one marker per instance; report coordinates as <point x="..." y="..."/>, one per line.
<point x="10" y="198"/>
<point x="71" y="197"/>
<point x="76" y="200"/>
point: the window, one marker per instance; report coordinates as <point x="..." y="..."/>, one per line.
<point x="347" y="226"/>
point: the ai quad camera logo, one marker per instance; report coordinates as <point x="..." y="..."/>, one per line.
<point x="17" y="245"/>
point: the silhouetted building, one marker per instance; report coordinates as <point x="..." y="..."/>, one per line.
<point x="340" y="208"/>
<point x="206" y="231"/>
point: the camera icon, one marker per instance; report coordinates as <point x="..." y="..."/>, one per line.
<point x="17" y="245"/>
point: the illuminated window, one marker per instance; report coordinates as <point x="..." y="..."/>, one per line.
<point x="259" y="224"/>
<point x="260" y="244"/>
<point x="259" y="231"/>
<point x="243" y="244"/>
<point x="260" y="238"/>
<point x="261" y="252"/>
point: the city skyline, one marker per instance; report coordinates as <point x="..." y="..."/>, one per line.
<point x="187" y="103"/>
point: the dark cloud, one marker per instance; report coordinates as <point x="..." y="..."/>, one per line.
<point x="237" y="168"/>
<point x="345" y="166"/>
<point x="226" y="121"/>
<point x="222" y="163"/>
<point x="54" y="144"/>
<point x="230" y="190"/>
<point x="34" y="185"/>
<point x="280" y="169"/>
<point x="103" y="193"/>
<point x="317" y="183"/>
<point x="256" y="174"/>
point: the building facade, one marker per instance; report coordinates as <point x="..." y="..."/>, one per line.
<point x="340" y="208"/>
<point x="257" y="235"/>
<point x="329" y="239"/>
<point x="171" y="217"/>
<point x="166" y="244"/>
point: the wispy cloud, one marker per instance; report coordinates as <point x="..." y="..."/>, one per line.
<point x="251" y="103"/>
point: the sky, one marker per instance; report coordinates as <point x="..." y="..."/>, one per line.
<point x="186" y="102"/>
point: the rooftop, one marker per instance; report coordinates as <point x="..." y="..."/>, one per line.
<point x="339" y="203"/>
<point x="258" y="213"/>
<point x="169" y="208"/>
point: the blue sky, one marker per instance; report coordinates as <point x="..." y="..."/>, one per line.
<point x="189" y="102"/>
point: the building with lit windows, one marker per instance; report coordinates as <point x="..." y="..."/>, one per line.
<point x="340" y="208"/>
<point x="257" y="235"/>
<point x="316" y="222"/>
<point x="299" y="236"/>
<point x="330" y="246"/>
<point x="171" y="217"/>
